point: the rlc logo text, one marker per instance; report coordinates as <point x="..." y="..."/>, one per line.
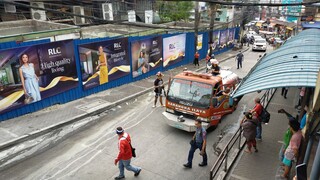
<point x="117" y="45"/>
<point x="54" y="51"/>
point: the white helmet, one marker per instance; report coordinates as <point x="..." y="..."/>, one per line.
<point x="214" y="61"/>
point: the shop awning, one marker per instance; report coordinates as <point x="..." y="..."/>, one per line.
<point x="258" y="24"/>
<point x="272" y="24"/>
<point x="294" y="64"/>
<point x="289" y="28"/>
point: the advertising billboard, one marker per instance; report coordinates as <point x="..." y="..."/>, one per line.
<point x="103" y="61"/>
<point x="174" y="49"/>
<point x="215" y="40"/>
<point x="223" y="38"/>
<point x="30" y="74"/>
<point x="292" y="12"/>
<point x="200" y="41"/>
<point x="231" y="36"/>
<point x="146" y="55"/>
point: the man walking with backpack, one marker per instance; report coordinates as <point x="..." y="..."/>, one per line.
<point x="256" y="111"/>
<point x="125" y="154"/>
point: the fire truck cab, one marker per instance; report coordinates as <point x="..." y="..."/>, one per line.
<point x="194" y="95"/>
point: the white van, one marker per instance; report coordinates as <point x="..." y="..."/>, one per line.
<point x="252" y="32"/>
<point x="259" y="44"/>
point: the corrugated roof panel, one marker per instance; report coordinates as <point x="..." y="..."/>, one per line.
<point x="296" y="63"/>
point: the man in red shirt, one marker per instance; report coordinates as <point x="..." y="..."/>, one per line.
<point x="125" y="154"/>
<point x="196" y="59"/>
<point x="256" y="111"/>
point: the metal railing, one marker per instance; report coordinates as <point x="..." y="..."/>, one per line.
<point x="223" y="157"/>
<point x="266" y="97"/>
<point x="237" y="137"/>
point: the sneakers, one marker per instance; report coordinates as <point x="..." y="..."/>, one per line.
<point x="203" y="164"/>
<point x="119" y="177"/>
<point x="137" y="173"/>
<point x="154" y="106"/>
<point x="187" y="165"/>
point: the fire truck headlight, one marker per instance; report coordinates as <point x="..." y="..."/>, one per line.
<point x="169" y="110"/>
<point x="202" y="119"/>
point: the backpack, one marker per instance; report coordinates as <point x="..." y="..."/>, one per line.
<point x="265" y="116"/>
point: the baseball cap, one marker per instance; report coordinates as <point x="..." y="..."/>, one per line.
<point x="119" y="130"/>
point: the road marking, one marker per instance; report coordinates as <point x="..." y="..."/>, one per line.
<point x="97" y="146"/>
<point x="239" y="177"/>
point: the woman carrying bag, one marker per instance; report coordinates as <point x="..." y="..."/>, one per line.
<point x="249" y="125"/>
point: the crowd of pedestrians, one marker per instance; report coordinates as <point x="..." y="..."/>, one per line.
<point x="247" y="40"/>
<point x="292" y="138"/>
<point x="251" y="125"/>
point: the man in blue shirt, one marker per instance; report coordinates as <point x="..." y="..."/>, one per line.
<point x="239" y="59"/>
<point x="199" y="141"/>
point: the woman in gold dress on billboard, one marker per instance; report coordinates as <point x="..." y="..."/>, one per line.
<point x="103" y="77"/>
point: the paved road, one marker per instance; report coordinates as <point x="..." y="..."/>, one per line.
<point x="161" y="149"/>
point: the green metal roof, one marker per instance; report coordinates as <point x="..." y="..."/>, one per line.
<point x="295" y="63"/>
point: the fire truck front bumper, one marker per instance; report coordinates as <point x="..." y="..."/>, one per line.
<point x="181" y="122"/>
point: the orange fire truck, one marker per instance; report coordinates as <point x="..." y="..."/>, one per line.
<point x="194" y="95"/>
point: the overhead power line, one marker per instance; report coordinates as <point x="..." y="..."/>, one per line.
<point x="111" y="22"/>
<point x="55" y="11"/>
<point x="252" y="3"/>
<point x="137" y="24"/>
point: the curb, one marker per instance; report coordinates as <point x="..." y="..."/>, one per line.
<point x="68" y="122"/>
<point x="43" y="131"/>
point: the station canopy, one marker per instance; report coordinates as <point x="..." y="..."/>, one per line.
<point x="295" y="64"/>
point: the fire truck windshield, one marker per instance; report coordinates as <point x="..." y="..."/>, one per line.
<point x="190" y="93"/>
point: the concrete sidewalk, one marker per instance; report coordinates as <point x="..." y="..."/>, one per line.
<point x="18" y="130"/>
<point x="265" y="164"/>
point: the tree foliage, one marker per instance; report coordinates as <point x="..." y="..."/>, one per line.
<point x="174" y="11"/>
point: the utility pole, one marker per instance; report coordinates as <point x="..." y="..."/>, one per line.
<point x="244" y="15"/>
<point x="213" y="10"/>
<point x="196" y="24"/>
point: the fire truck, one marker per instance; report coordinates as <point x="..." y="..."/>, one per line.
<point x="201" y="96"/>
